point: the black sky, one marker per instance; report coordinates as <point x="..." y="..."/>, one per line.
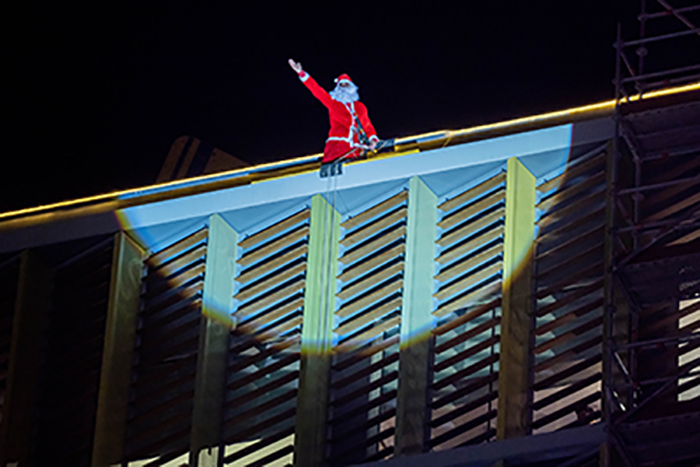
<point x="95" y="95"/>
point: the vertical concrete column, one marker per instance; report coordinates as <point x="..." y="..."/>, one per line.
<point x="214" y="334"/>
<point x="118" y="353"/>
<point x="412" y="404"/>
<point x="317" y="334"/>
<point x="514" y="398"/>
<point x="28" y="323"/>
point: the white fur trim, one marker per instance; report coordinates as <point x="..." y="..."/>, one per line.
<point x="303" y="76"/>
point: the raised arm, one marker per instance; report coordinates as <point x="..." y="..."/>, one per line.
<point x="318" y="92"/>
<point x="367" y="125"/>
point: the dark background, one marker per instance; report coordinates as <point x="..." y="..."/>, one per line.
<point x="94" y="95"/>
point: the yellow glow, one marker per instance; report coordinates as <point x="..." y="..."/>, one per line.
<point x="448" y="135"/>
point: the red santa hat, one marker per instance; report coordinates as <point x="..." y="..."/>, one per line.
<point x="343" y="77"/>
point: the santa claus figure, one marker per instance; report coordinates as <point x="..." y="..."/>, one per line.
<point x="351" y="131"/>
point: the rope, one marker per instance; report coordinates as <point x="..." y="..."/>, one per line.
<point x="329" y="240"/>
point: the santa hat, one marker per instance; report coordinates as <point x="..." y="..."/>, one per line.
<point x="343" y="77"/>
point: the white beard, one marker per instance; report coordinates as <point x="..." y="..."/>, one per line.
<point x="345" y="94"/>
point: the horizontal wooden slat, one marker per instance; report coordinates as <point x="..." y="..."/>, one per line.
<point x="473" y="192"/>
<point x="273" y="230"/>
<point x="461" y="429"/>
<point x="662" y="322"/>
<point x="463" y="409"/>
<point x="247" y="431"/>
<point x="268" y="385"/>
<point x="466" y="335"/>
<point x="179" y="309"/>
<point x="571" y="297"/>
<point x="578" y="206"/>
<point x="342" y="429"/>
<point x="243" y="381"/>
<point x="556" y="269"/>
<point x="259" y="321"/>
<point x="270" y="266"/>
<point x="163" y="255"/>
<point x="471" y="228"/>
<point x="449" y="273"/>
<point x="573" y="172"/>
<point x="170" y="351"/>
<point x="674" y="208"/>
<point x="352" y="307"/>
<point x="182" y="295"/>
<point x="470" y="352"/>
<point x="561" y="196"/>
<point x="366" y="389"/>
<point x="465" y="372"/>
<point x="360" y="355"/>
<point x="366" y="371"/>
<point x="360" y="321"/>
<point x="351" y="273"/>
<point x="474" y="386"/>
<point x="569" y="317"/>
<point x="277" y="279"/>
<point x="569" y="409"/>
<point x="569" y="354"/>
<point x="560" y="376"/>
<point x="277" y="245"/>
<point x="375" y="210"/>
<point x="251" y="307"/>
<point x="566" y="391"/>
<point x="370" y="281"/>
<point x="187" y="259"/>
<point x="278" y="329"/>
<point x="471" y="245"/>
<point x="693" y="235"/>
<point x="593" y="271"/>
<point x="353" y="410"/>
<point x="373" y="245"/>
<point x="569" y="335"/>
<point x="576" y="239"/>
<point x="368" y="334"/>
<point x="286" y="449"/>
<point x="174" y="282"/>
<point x="371" y="229"/>
<point x="662" y="196"/>
<point x="465" y="318"/>
<point x="242" y="361"/>
<point x="472" y="209"/>
<point x="472" y="297"/>
<point x="468" y="281"/>
<point x="564" y="228"/>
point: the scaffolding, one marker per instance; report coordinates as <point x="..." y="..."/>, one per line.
<point x="652" y="283"/>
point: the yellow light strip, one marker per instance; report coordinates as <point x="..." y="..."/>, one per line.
<point x="606" y="105"/>
<point x="172" y="184"/>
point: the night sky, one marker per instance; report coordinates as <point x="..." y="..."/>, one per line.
<point x="96" y="95"/>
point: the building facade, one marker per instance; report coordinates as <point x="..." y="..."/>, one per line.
<point x="518" y="293"/>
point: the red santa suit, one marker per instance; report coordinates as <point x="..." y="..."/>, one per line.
<point x="343" y="137"/>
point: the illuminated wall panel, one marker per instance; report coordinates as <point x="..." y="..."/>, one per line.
<point x="264" y="357"/>
<point x="467" y="305"/>
<point x="364" y="373"/>
<point x="167" y="340"/>
<point x="568" y="280"/>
